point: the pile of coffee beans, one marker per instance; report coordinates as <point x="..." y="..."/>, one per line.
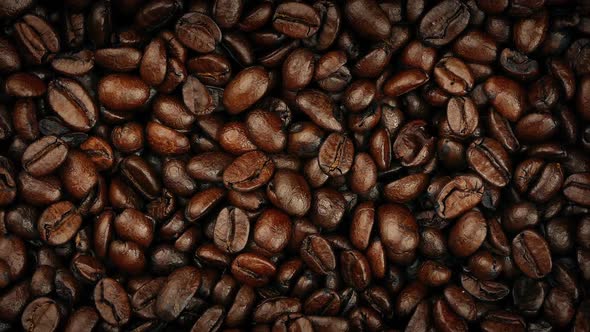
<point x="283" y="165"/>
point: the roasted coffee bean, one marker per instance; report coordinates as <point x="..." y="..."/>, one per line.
<point x="112" y="302"/>
<point x="320" y="108"/>
<point x="42" y="314"/>
<point x="531" y="254"/>
<point x="355" y="268"/>
<point x="232" y="230"/>
<point x="444" y="22"/>
<point x="507" y="97"/>
<point x="399" y="232"/>
<point x="271" y="309"/>
<point x="540" y="180"/>
<point x="576" y="187"/>
<point x="453" y="76"/>
<point x="252" y="269"/>
<point x="336" y="155"/>
<point x="317" y="253"/>
<point x="198" y="32"/>
<point x="44" y="156"/>
<point x="290" y="192"/>
<point x="37" y="37"/>
<point x="368" y="19"/>
<point x="488" y="158"/>
<point x="202" y="203"/>
<point x="181" y="285"/>
<point x="59" y="223"/>
<point x="238" y="165"/>
<point x="327" y="208"/>
<point x="248" y="172"/>
<point x="272" y="231"/>
<point x="79" y="175"/>
<point x="122" y="92"/>
<point x="467" y="234"/>
<point x="459" y="195"/>
<point x="246" y="88"/>
<point x="24" y="85"/>
<point x="296" y="20"/>
<point x="72" y="103"/>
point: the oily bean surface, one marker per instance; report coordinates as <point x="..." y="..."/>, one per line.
<point x="325" y="165"/>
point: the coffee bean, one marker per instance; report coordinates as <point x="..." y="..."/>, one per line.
<point x="487" y="157"/>
<point x="368" y="19"/>
<point x="37" y="38"/>
<point x="398" y="230"/>
<point x="272" y="231"/>
<point x="198" y="32"/>
<point x="83" y="319"/>
<point x="248" y="172"/>
<point x="506" y="96"/>
<point x="540" y="180"/>
<point x="336" y="155"/>
<point x="355" y="269"/>
<point x="175" y="294"/>
<point x="453" y="76"/>
<point x="576" y="187"/>
<point x="252" y="269"/>
<point x="232" y="229"/>
<point x="320" y="108"/>
<point x="78" y="174"/>
<point x="531" y="254"/>
<point x="111" y="302"/>
<point x="120" y="59"/>
<point x="502" y="320"/>
<point x="59" y="223"/>
<point x="290" y="192"/>
<point x="74" y="64"/>
<point x="459" y="195"/>
<point x="327" y="208"/>
<point x="24" y="85"/>
<point x="444" y="22"/>
<point x="41" y="315"/>
<point x="246" y="88"/>
<point x="296" y="20"/>
<point x="317" y="253"/>
<point x="72" y="103"/>
<point x="122" y="92"/>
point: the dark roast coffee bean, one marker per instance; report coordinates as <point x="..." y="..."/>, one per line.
<point x="368" y="19"/>
<point x="181" y="285"/>
<point x="111" y="302"/>
<point x="487" y="157"/>
<point x="296" y="20"/>
<point x="72" y="103"/>
<point x="122" y="92"/>
<point x="198" y="32"/>
<point x="459" y="195"/>
<point x="290" y="192"/>
<point x="246" y="88"/>
<point x="444" y="22"/>
<point x="336" y="155"/>
<point x="317" y="253"/>
<point x="576" y="187"/>
<point x="59" y="223"/>
<point x="531" y="254"/>
<point x="37" y="37"/>
<point x="320" y="108"/>
<point x="248" y="172"/>
<point x="354" y="165"/>
<point x="232" y="230"/>
<point x="42" y="314"/>
<point x="252" y="269"/>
